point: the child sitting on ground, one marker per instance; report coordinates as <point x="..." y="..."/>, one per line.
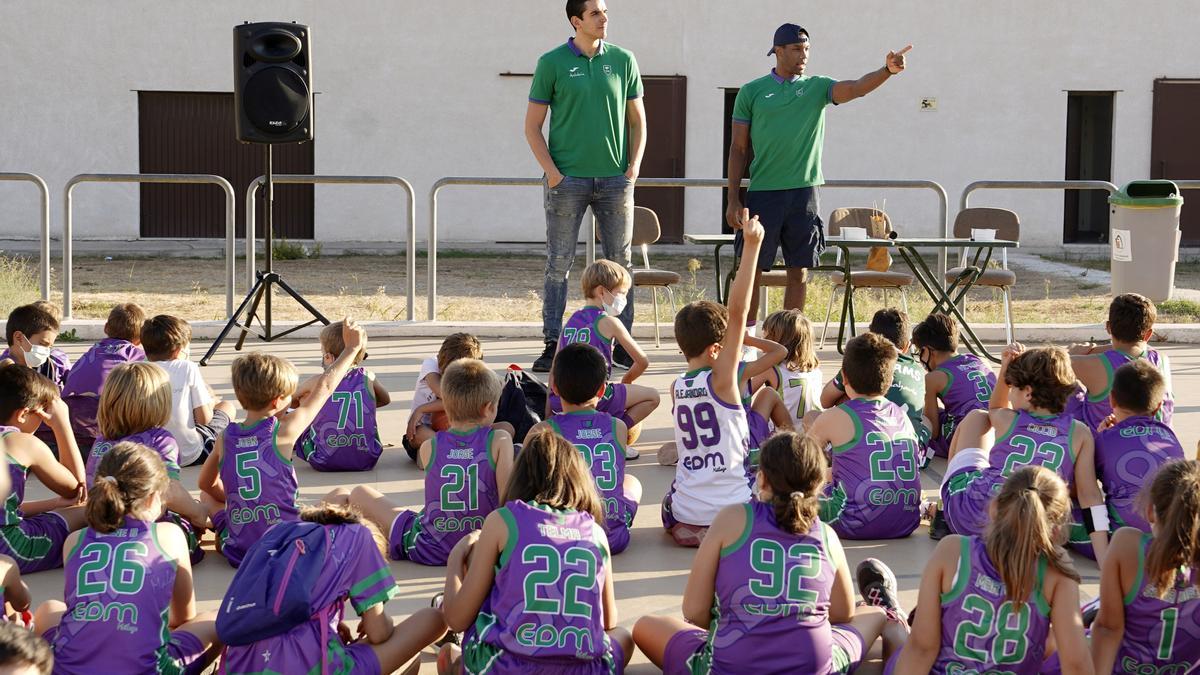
<point x="1149" y="588"/>
<point x="908" y="378"/>
<point x="1131" y="320"/>
<point x="134" y="408"/>
<point x="605" y="286"/>
<point x="345" y="434"/>
<point x="875" y="491"/>
<point x="32" y="532"/>
<point x="428" y="415"/>
<point x="198" y="416"/>
<point x="989" y="603"/>
<point x="135" y="572"/>
<point x="248" y="482"/>
<point x="712" y="437"/>
<point x="85" y="382"/>
<point x="1132" y="444"/>
<point x="798" y="379"/>
<point x="540" y="566"/>
<point x="22" y="652"/>
<point x="961" y="382"/>
<point x="770" y="590"/>
<point x="579" y="377"/>
<point x="1032" y="429"/>
<point x="30" y="332"/>
<point x="466" y="465"/>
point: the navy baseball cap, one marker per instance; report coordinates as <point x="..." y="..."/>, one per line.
<point x="788" y="34"/>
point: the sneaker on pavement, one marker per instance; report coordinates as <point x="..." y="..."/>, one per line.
<point x="543" y="362"/>
<point x="631" y="452"/>
<point x="450" y="638"/>
<point x="938" y="527"/>
<point x="878" y="587"/>
<point x="621" y="358"/>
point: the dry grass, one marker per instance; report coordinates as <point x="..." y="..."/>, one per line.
<point x="490" y="287"/>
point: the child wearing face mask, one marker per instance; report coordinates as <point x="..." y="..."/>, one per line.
<point x="30" y="332"/>
<point x="605" y="287"/>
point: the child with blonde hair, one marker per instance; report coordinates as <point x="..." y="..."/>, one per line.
<point x="428" y="415"/>
<point x="248" y="482"/>
<point x="345" y="434"/>
<point x="134" y="408"/>
<point x="85" y="382"/>
<point x="797" y="380"/>
<point x="132" y="570"/>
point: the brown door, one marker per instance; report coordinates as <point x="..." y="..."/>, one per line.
<point x="666" y="116"/>
<point x="1089" y="157"/>
<point x="1175" y="145"/>
<point x="193" y="132"/>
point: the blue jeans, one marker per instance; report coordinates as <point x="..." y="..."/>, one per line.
<point x="611" y="199"/>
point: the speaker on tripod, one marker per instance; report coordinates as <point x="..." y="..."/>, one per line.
<point x="273" y="103"/>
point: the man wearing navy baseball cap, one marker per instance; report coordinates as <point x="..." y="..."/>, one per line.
<point x="782" y="117"/>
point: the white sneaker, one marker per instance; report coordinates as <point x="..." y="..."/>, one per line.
<point x="632" y="452"/>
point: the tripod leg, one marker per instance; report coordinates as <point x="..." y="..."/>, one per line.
<point x="300" y="299"/>
<point x="263" y="286"/>
<point x="233" y="321"/>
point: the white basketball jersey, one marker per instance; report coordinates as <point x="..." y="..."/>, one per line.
<point x="801" y="392"/>
<point x="713" y="441"/>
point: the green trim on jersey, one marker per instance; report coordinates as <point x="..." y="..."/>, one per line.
<point x="962" y="574"/>
<point x="510" y="543"/>
<point x="949" y="381"/>
<point x="1141" y="570"/>
<point x="1108" y="377"/>
<point x="1039" y="596"/>
<point x="747" y="528"/>
<point x="275" y="445"/>
<point x="490" y="457"/>
<point x="858" y="430"/>
<point x="787" y="129"/>
<point x="1011" y="428"/>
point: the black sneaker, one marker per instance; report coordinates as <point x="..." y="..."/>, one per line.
<point x="450" y="638"/>
<point x="621" y="358"/>
<point x="543" y="362"/>
<point x="878" y="587"/>
<point x="938" y="527"/>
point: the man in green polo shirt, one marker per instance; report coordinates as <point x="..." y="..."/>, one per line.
<point x="782" y="117"/>
<point x="593" y="91"/>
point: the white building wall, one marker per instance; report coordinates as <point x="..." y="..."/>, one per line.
<point x="413" y="89"/>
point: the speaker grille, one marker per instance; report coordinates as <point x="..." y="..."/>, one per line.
<point x="275" y="100"/>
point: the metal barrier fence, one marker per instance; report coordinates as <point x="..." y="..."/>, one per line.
<point x="1031" y="185"/>
<point x="943" y="205"/>
<point x="230" y="221"/>
<point x="410" y="257"/>
<point x="44" y="244"/>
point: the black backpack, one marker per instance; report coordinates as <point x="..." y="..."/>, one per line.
<point x="522" y="401"/>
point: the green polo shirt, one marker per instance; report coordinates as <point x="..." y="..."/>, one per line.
<point x="787" y="129"/>
<point x="587" y="99"/>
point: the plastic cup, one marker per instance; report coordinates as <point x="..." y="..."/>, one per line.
<point x="857" y="233"/>
<point x="983" y="235"/>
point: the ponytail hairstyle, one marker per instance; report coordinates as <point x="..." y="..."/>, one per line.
<point x="136" y="397"/>
<point x="1175" y="497"/>
<point x="336" y="514"/>
<point x="793" y="467"/>
<point x="127" y="475"/>
<point x="790" y="328"/>
<point x="549" y="470"/>
<point x="1031" y="521"/>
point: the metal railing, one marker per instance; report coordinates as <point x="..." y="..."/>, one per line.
<point x="1030" y="185"/>
<point x="943" y="205"/>
<point x="410" y="257"/>
<point x="44" y="245"/>
<point x="174" y="178"/>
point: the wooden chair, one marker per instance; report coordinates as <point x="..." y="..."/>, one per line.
<point x="1008" y="228"/>
<point x="885" y="281"/>
<point x="646" y="231"/>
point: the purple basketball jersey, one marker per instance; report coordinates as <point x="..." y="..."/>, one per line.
<point x="982" y="631"/>
<point x="969" y="385"/>
<point x="1127" y="457"/>
<point x="1093" y="407"/>
<point x="595" y="435"/>
<point x="157" y="439"/>
<point x="17" y="474"/>
<point x="118" y="593"/>
<point x="92" y="369"/>
<point x="875" y="492"/>
<point x="353" y="568"/>
<point x="772" y="601"/>
<point x="546" y="608"/>
<point x="1036" y="440"/>
<point x="345" y="434"/>
<point x="260" y="487"/>
<point x="56" y="368"/>
<point x="460" y="491"/>
<point x="584" y="327"/>
<point x="1162" y="635"/>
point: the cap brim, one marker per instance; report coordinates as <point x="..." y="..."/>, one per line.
<point x="772" y="52"/>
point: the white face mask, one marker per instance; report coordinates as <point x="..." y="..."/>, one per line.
<point x="617" y="306"/>
<point x="35" y="355"/>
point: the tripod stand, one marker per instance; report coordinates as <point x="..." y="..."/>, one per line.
<point x="260" y="292"/>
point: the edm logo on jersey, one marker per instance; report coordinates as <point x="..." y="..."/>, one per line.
<point x="713" y="461"/>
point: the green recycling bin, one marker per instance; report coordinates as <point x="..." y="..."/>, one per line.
<point x="1144" y="235"/>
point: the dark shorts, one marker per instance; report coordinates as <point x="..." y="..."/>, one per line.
<point x="848" y="650"/>
<point x="209" y="433"/>
<point x="791" y="220"/>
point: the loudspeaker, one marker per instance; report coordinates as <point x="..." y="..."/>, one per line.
<point x="272" y="82"/>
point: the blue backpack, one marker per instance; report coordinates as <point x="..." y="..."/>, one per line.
<point x="271" y="592"/>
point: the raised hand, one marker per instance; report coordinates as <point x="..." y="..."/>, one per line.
<point x="895" y="61"/>
<point x="752" y="230"/>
